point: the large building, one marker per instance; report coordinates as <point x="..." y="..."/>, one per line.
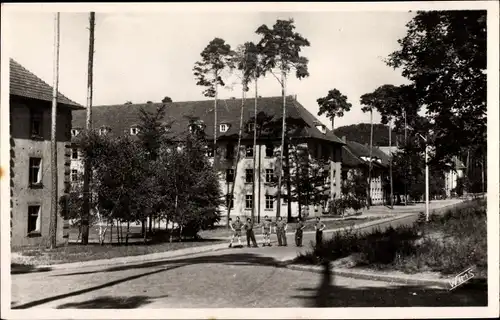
<point x="304" y="129"/>
<point x="30" y="171"/>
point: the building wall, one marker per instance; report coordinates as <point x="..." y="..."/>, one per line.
<point x="450" y="180"/>
<point x="376" y="186"/>
<point x="22" y="148"/>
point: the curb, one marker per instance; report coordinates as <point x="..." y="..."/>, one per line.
<point x="367" y="275"/>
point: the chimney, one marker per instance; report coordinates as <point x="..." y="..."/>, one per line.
<point x="233" y="98"/>
<point x="295" y="97"/>
<point x="344" y="139"/>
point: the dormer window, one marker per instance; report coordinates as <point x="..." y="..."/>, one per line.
<point x="224" y="127"/>
<point x="74" y="132"/>
<point x="104" y="130"/>
<point x="134" y="131"/>
<point x="321" y="128"/>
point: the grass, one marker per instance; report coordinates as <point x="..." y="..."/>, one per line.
<point x="79" y="253"/>
<point x="448" y="244"/>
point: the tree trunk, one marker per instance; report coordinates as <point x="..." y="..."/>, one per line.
<point x="238" y="151"/>
<point x="111" y="233"/>
<point x="406" y="172"/>
<point x="280" y="171"/>
<point x="255" y="201"/>
<point x="390" y="165"/>
<point x="216" y="87"/>
<point x="128" y="233"/>
<point x="87" y="168"/>
<point x="332" y="169"/>
<point x="288" y="182"/>
<point x="150" y="223"/>
<point x="370" y="163"/>
<point x="53" y="143"/>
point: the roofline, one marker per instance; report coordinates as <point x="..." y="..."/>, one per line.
<point x="70" y="106"/>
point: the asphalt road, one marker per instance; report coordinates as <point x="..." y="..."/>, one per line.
<point x="227" y="278"/>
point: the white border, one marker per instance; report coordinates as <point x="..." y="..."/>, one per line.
<point x="348" y="313"/>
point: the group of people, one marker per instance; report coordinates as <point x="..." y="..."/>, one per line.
<point x="280" y="227"/>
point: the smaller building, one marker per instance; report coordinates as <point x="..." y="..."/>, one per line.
<point x="30" y="103"/>
<point x="356" y="160"/>
<point x="451" y="176"/>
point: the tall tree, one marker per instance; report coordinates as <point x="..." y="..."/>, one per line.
<point x="167" y="99"/>
<point x="444" y="55"/>
<point x="281" y="47"/>
<point x="240" y="61"/>
<point x="334" y="104"/>
<point x="216" y="57"/>
<point x="53" y="140"/>
<point x="369" y="108"/>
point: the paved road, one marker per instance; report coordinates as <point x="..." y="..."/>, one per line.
<point x="227" y="278"/>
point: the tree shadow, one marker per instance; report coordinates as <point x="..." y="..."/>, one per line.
<point x="230" y="259"/>
<point x="329" y="295"/>
<point x="107" y="302"/>
<point x="18" y="268"/>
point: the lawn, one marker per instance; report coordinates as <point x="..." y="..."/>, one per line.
<point x="78" y="253"/>
<point x="448" y="244"/>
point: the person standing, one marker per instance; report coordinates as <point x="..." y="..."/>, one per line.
<point x="319" y="227"/>
<point x="299" y="232"/>
<point x="236" y="227"/>
<point x="266" y="231"/>
<point x="250" y="234"/>
<point x="281" y="231"/>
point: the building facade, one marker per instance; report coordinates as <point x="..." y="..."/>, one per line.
<point x="30" y="166"/>
<point x="303" y="129"/>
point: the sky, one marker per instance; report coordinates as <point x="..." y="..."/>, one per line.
<point x="141" y="56"/>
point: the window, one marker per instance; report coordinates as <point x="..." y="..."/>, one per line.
<point x="74" y="175"/>
<point x="74" y="153"/>
<point x="229" y="175"/>
<point x="249" y="151"/>
<point x="269" y="175"/>
<point x="248" y="201"/>
<point x="74" y="132"/>
<point x="326" y="175"/>
<point x="104" y="130"/>
<point x="229" y="202"/>
<point x="269" y="202"/>
<point x="134" y="131"/>
<point x="223" y="127"/>
<point x="284" y="199"/>
<point x="36" y="123"/>
<point x="269" y="151"/>
<point x="250" y="127"/>
<point x="249" y="175"/>
<point x="34" y="219"/>
<point x="210" y="151"/>
<point x="35" y="174"/>
<point x="229" y="151"/>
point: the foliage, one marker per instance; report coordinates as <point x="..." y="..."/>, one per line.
<point x="281" y="47"/>
<point x="153" y="130"/>
<point x="334" y="104"/>
<point x="167" y="99"/>
<point x="215" y="58"/>
<point x="443" y="54"/>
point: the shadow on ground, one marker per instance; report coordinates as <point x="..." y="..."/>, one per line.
<point x="230" y="259"/>
<point x="107" y="302"/>
<point x="17" y="268"/>
<point x="327" y="294"/>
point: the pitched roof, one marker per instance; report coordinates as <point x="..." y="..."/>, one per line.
<point x="354" y="151"/>
<point x="120" y="118"/>
<point x="24" y="83"/>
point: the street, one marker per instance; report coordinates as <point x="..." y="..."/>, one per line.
<point x="237" y="277"/>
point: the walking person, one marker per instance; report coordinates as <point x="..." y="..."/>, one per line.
<point x="319" y="227"/>
<point x="236" y="227"/>
<point x="266" y="231"/>
<point x="250" y="234"/>
<point x="281" y="231"/>
<point x="299" y="231"/>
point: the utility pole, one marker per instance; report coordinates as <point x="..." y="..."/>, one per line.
<point x="86" y="173"/>
<point x="53" y="140"/>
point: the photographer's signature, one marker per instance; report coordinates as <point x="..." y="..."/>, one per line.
<point x="461" y="278"/>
